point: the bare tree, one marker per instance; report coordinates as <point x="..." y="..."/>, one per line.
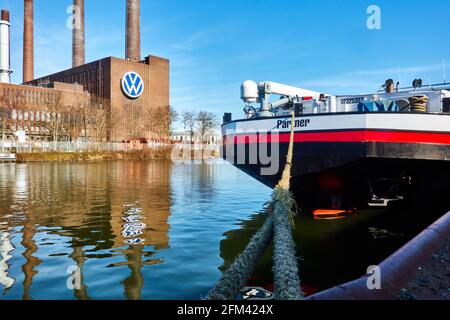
<point x="85" y="114"/>
<point x="12" y="111"/>
<point x="6" y="111"/>
<point x="135" y="125"/>
<point x="156" y="122"/>
<point x="74" y="119"/>
<point x="159" y="122"/>
<point x="151" y="123"/>
<point x="168" y="116"/>
<point x="102" y="119"/>
<point x="188" y="119"/>
<point x="206" y="122"/>
<point x="53" y="117"/>
<point x="174" y="115"/>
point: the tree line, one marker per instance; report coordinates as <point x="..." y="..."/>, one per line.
<point x="202" y="122"/>
<point x="95" y="120"/>
<point x="88" y="119"/>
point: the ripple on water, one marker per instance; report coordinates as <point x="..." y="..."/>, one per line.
<point x="146" y="229"/>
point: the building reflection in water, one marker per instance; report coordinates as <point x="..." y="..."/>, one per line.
<point x="134" y="283"/>
<point x="31" y="262"/>
<point x="79" y="257"/>
<point x="6" y="248"/>
<point x="146" y="186"/>
<point x="140" y="219"/>
<point x="84" y="205"/>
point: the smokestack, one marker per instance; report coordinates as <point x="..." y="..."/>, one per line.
<point x="28" y="42"/>
<point x="78" y="38"/>
<point x="133" y="37"/>
<point x="5" y="65"/>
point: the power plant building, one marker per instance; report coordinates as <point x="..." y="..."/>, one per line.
<point x="134" y="92"/>
<point x="132" y="118"/>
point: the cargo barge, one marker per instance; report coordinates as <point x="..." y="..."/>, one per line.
<point x="350" y="151"/>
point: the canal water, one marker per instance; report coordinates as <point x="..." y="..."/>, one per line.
<point x="158" y="230"/>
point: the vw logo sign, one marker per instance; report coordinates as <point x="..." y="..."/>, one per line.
<point x="132" y="85"/>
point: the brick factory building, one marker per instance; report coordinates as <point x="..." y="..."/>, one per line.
<point x="132" y="118"/>
<point x="37" y="110"/>
<point x="131" y="94"/>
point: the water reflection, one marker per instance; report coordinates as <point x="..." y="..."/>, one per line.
<point x="76" y="211"/>
<point x="131" y="230"/>
<point x="79" y="258"/>
<point x="6" y="248"/>
<point x="147" y="201"/>
<point x="154" y="230"/>
<point x="31" y="261"/>
<point x="333" y="252"/>
<point x="133" y="226"/>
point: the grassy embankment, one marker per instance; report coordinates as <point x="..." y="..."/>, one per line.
<point x="148" y="154"/>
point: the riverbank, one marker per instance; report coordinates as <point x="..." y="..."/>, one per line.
<point x="91" y="214"/>
<point x="433" y="278"/>
<point x="146" y="154"/>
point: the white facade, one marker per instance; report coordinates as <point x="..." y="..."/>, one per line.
<point x="184" y="137"/>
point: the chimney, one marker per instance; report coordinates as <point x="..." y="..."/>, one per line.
<point x="78" y="37"/>
<point x="28" y="42"/>
<point x="133" y="36"/>
<point x="5" y="65"/>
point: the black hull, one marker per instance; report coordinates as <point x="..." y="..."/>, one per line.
<point x="350" y="175"/>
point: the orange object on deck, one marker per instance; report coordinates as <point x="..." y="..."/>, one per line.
<point x="328" y="214"/>
<point x="323" y="212"/>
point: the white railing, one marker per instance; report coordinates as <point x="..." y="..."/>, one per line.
<point x="62" y="146"/>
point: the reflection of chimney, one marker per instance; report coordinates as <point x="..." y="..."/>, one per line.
<point x="78" y="42"/>
<point x="5" y="64"/>
<point x="28" y="42"/>
<point x="133" y="37"/>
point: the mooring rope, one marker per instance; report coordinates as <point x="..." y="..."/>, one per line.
<point x="235" y="278"/>
<point x="285" y="268"/>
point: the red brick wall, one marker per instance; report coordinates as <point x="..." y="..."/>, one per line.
<point x="102" y="78"/>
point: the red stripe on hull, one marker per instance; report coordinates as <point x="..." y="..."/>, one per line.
<point x="346" y="136"/>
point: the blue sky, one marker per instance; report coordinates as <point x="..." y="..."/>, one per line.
<point x="214" y="45"/>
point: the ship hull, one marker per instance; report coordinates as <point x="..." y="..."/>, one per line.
<point x="348" y="167"/>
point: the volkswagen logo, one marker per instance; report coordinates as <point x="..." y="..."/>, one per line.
<point x="132" y="85"/>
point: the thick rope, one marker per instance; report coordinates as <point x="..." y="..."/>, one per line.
<point x="235" y="278"/>
<point x="285" y="182"/>
<point x="287" y="281"/>
<point x="285" y="268"/>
